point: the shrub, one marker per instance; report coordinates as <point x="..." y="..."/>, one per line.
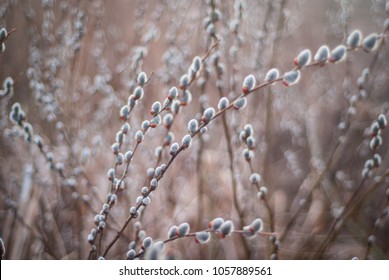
<point x="190" y="130"/>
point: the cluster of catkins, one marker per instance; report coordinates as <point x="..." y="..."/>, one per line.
<point x="376" y="140"/>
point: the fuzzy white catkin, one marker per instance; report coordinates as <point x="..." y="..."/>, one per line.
<point x="216" y="223"/>
<point x="248" y="84"/>
<point x="202" y="237"/>
<point x="125" y="128"/>
<point x="338" y="54"/>
<point x="272" y="75"/>
<point x="147" y="242"/>
<point x="173" y="92"/>
<point x="174" y="148"/>
<point x="240" y="103"/>
<point x="226" y="228"/>
<point x="155" y="108"/>
<point x="303" y="58"/>
<point x="196" y="64"/>
<point x="132" y="210"/>
<point x="255" y="178"/>
<point x="208" y="115"/>
<point x="131" y="254"/>
<point x="138" y="93"/>
<point x="153" y="184"/>
<point x="192" y="126"/>
<point x="186" y="141"/>
<point x="184" y="81"/>
<point x="115" y="148"/>
<point x="139" y="136"/>
<point x="3" y="34"/>
<point x="168" y="120"/>
<point x="291" y="77"/>
<point x="322" y="54"/>
<point x="381" y="120"/>
<point x="183" y="229"/>
<point x="142" y="78"/>
<point x="172" y="232"/>
<point x="370" y="43"/>
<point x="128" y="156"/>
<point x="223" y="103"/>
<point x="354" y="39"/>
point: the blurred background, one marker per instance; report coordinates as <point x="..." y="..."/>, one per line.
<point x="74" y="65"/>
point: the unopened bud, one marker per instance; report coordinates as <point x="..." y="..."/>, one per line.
<point x="186" y="97"/>
<point x="3" y="34"/>
<point x="139" y="136"/>
<point x="226" y="228"/>
<point x="338" y="54"/>
<point x="186" y="141"/>
<point x="128" y="156"/>
<point x="303" y="58"/>
<point x="272" y="75"/>
<point x="250" y="142"/>
<point x="115" y="148"/>
<point x="248" y="154"/>
<point x="145" y="125"/>
<point x="137" y="94"/>
<point x="111" y="174"/>
<point x="175" y="106"/>
<point x="196" y="64"/>
<point x="169" y="138"/>
<point x="202" y="237"/>
<point x="322" y="54"/>
<point x="291" y="77"/>
<point x="184" y="81"/>
<point x="183" y="229"/>
<point x="156" y="121"/>
<point x="370" y="43"/>
<point x="208" y="115"/>
<point x="381" y="119"/>
<point x="255" y="178"/>
<point x="168" y="120"/>
<point x="248" y="84"/>
<point x="125" y="128"/>
<point x="124" y="112"/>
<point x="153" y="184"/>
<point x="155" y="108"/>
<point x="172" y="93"/>
<point x="144" y="190"/>
<point x="120" y="137"/>
<point x="375" y="142"/>
<point x="131" y="101"/>
<point x="150" y="172"/>
<point x="172" y="232"/>
<point x="374" y="128"/>
<point x="223" y="103"/>
<point x="240" y="103"/>
<point x="142" y="78"/>
<point x="147" y="242"/>
<point x="133" y="210"/>
<point x="119" y="158"/>
<point x="377" y="159"/>
<point x="262" y="192"/>
<point x="131" y="254"/>
<point x="354" y="39"/>
<point x="216" y="223"/>
<point x="192" y="126"/>
<point x="174" y="148"/>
